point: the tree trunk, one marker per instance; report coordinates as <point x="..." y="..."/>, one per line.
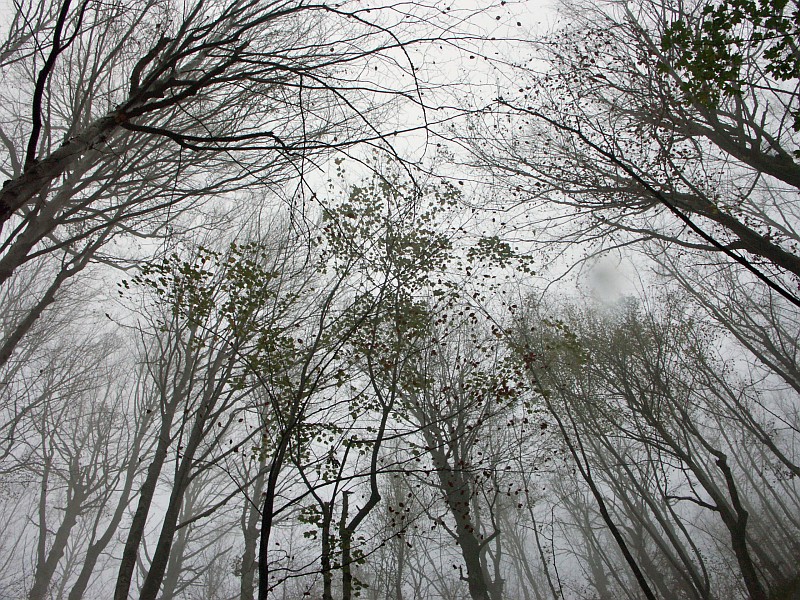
<point x="325" y="559"/>
<point x="45" y="570"/>
<point x="400" y="564"/>
<point x="96" y="549"/>
<point x="346" y="539"/>
<point x="136" y="531"/>
<point x="252" y="516"/>
<point x="457" y="495"/>
<point x="737" y="526"/>
<point x="176" y="555"/>
<point x="267" y="513"/>
<point x="158" y="566"/>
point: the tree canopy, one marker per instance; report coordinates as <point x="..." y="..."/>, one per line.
<point x="400" y="300"/>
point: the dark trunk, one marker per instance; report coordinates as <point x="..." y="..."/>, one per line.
<point x="457" y="494"/>
<point x="347" y="560"/>
<point x="158" y="566"/>
<point x="325" y="559"/>
<point x="267" y="511"/>
<point x="736" y="522"/>
<point x="136" y="531"/>
<point x="251" y="521"/>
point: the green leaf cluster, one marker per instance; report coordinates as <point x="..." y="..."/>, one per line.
<point x="712" y="51"/>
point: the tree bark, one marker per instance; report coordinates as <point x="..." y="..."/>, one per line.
<point x="327" y="550"/>
<point x="267" y="511"/>
<point x="136" y="532"/>
<point x="97" y="548"/>
<point x="252" y="519"/>
<point x="43" y="575"/>
<point x="345" y="535"/>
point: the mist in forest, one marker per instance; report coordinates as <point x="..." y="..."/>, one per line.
<point x="404" y="301"/>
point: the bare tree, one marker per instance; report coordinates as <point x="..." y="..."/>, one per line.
<point x="129" y="115"/>
<point x="642" y="379"/>
<point x="607" y="143"/>
<point x="77" y="443"/>
<point x="461" y="390"/>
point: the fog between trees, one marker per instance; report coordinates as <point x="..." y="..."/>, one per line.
<point x="296" y="300"/>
